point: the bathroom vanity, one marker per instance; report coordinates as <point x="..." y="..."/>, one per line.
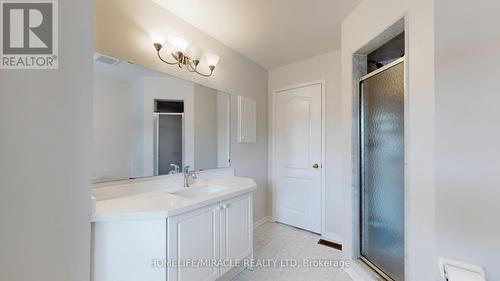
<point x="203" y="232"/>
<point x="152" y="132"/>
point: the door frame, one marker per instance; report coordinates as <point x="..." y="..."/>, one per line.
<point x="272" y="154"/>
<point x="402" y="60"/>
<point x="156" y="139"/>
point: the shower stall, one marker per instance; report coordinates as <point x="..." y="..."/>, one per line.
<point x="381" y="150"/>
<point x="168" y="137"/>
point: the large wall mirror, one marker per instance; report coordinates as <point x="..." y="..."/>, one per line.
<point x="148" y="123"/>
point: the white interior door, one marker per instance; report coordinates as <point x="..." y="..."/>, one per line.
<point x="298" y="171"/>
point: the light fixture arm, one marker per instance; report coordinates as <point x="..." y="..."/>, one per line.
<point x="206" y="75"/>
<point x="182" y="59"/>
<point x="158" y="47"/>
<point x="194" y="68"/>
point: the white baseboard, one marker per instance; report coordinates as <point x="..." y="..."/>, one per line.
<point x="332" y="236"/>
<point x="353" y="274"/>
<point x="262" y="221"/>
<point x="361" y="272"/>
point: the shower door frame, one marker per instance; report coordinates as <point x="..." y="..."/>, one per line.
<point x="156" y="138"/>
<point x="359" y="175"/>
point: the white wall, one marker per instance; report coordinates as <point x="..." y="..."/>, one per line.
<point x="467" y="137"/>
<point x="113" y="129"/>
<point x="45" y="148"/>
<point x="369" y="19"/>
<point x="326" y="66"/>
<point x="123" y="32"/>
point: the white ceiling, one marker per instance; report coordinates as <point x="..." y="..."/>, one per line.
<point x="272" y="33"/>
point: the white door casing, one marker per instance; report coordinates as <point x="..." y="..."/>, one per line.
<point x="298" y="146"/>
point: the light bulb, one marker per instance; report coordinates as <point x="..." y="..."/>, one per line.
<point x="178" y="44"/>
<point x="194" y="53"/>
<point x="157" y="38"/>
<point x="211" y="59"/>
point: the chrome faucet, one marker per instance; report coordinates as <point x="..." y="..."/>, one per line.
<point x="175" y="169"/>
<point x="188" y="174"/>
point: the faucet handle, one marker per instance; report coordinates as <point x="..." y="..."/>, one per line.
<point x="175" y="167"/>
<point x="186" y="169"/>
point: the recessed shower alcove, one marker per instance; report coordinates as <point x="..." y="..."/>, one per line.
<point x="379" y="153"/>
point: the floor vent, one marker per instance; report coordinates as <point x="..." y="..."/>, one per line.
<point x="330" y="244"/>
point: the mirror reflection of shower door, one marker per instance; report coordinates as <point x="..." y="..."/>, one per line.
<point x="382" y="170"/>
<point x="168" y="142"/>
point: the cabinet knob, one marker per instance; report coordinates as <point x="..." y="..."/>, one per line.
<point x="315" y="165"/>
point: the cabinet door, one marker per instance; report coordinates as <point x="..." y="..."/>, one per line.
<point x="247" y="120"/>
<point x="194" y="236"/>
<point x="237" y="228"/>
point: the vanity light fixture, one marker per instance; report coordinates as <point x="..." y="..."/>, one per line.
<point x="185" y="55"/>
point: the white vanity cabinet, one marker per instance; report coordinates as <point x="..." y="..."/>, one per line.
<point x="160" y="235"/>
<point x="215" y="233"/>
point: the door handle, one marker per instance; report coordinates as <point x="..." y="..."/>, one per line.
<point x="315" y="165"/>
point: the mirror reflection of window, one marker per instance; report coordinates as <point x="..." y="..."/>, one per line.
<point x="148" y="123"/>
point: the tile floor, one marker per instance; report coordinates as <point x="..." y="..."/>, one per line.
<point x="277" y="242"/>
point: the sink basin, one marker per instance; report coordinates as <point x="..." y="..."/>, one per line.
<point x="193" y="192"/>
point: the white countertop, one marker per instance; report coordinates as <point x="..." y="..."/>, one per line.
<point x="162" y="204"/>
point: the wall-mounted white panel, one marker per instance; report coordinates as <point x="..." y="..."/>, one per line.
<point x="247" y="120"/>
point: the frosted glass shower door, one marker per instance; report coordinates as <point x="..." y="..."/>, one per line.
<point x="382" y="170"/>
<point x="169" y="142"/>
